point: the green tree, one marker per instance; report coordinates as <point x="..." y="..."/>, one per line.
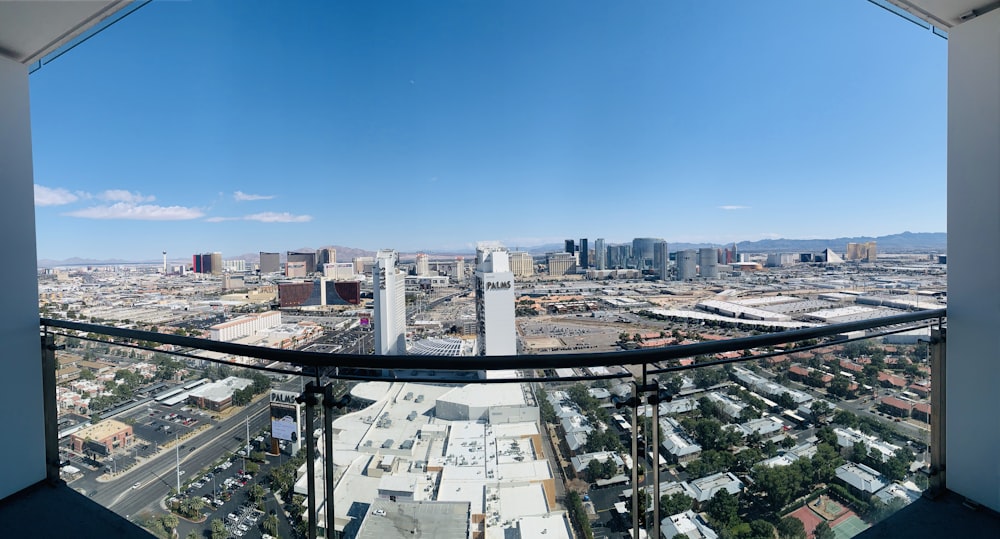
<point x="219" y="529"/>
<point x="169" y="521"/>
<point x="644" y="503"/>
<point x="791" y="528"/>
<point x="193" y="535"/>
<point x="256" y="493"/>
<point x="823" y="531"/>
<point x="547" y="411"/>
<point x="722" y="509"/>
<point x="672" y="384"/>
<point x="580" y="395"/>
<point x="271" y="525"/>
<point x="672" y="504"/>
<point x="761" y="529"/>
<point x="786" y="401"/>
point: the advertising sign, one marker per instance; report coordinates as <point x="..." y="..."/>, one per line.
<point x="284" y="416"/>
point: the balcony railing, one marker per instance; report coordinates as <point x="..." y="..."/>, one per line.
<point x="644" y="372"/>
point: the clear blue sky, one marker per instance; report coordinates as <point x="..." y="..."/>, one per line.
<point x="247" y="126"/>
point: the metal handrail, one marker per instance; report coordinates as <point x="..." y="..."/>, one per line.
<point x="516" y="362"/>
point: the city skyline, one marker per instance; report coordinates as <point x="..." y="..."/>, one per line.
<point x="900" y="243"/>
<point x="448" y="121"/>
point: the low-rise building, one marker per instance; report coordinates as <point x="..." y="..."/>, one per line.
<point x="689" y="524"/>
<point x="102" y="438"/>
<point x="706" y="487"/>
<point x="217" y="396"/>
<point x="860" y="479"/>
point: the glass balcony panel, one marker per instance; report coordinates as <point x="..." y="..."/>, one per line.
<point x="829" y="434"/>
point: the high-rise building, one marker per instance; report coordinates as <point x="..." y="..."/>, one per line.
<point x="600" y="254"/>
<point x="389" y="291"/>
<point x="570" y="247"/>
<point x="296" y="268"/>
<point x="319" y="292"/>
<point x="620" y="256"/>
<point x="308" y="258"/>
<point x="423" y="267"/>
<point x="864" y="252"/>
<point x="207" y="263"/>
<point x="270" y="262"/>
<point x="236" y="265"/>
<point x="561" y="263"/>
<point x="460" y="269"/>
<point x="584" y="254"/>
<point x="363" y="265"/>
<point x="522" y="264"/>
<point x="661" y="260"/>
<point x="326" y="255"/>
<point x="495" y="301"/>
<point x="642" y="251"/>
<point x="687" y="264"/>
<point x="708" y="263"/>
<point x="339" y="271"/>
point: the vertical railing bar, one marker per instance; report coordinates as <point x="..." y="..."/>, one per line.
<point x="310" y="401"/>
<point x="49" y="411"/>
<point x="635" y="459"/>
<point x="939" y="380"/>
<point x="656" y="458"/>
<point x="328" y="492"/>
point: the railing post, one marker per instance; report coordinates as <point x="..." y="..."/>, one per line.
<point x="310" y="401"/>
<point x="329" y="403"/>
<point x="635" y="459"/>
<point x="49" y="410"/>
<point x="937" y="483"/>
<point x="656" y="398"/>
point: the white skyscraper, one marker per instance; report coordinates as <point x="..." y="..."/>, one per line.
<point x="687" y="264"/>
<point x="600" y="254"/>
<point x="423" y="267"/>
<point x="389" y="290"/>
<point x="495" y="301"/>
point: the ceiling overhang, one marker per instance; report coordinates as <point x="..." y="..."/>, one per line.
<point x="31" y="30"/>
<point x="944" y="14"/>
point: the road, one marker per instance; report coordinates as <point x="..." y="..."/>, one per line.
<point x="156" y="476"/>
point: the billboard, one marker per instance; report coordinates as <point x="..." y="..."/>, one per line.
<point x="284" y="416"/>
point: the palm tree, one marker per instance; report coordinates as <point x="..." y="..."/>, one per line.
<point x="271" y="525"/>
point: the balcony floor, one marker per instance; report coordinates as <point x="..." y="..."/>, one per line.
<point x="46" y="511"/>
<point x="946" y="516"/>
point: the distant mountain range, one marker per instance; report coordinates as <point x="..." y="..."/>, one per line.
<point x="907" y="242"/>
<point x="894" y="243"/>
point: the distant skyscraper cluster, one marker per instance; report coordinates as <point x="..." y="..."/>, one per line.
<point x="864" y="252"/>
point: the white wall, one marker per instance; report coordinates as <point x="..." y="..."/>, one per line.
<point x="973" y="412"/>
<point x="22" y="457"/>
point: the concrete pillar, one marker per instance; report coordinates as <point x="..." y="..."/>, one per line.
<point x="22" y="455"/>
<point x="973" y="349"/>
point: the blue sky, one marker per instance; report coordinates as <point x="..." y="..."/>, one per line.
<point x="248" y="126"/>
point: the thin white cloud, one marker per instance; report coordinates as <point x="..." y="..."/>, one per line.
<point x="265" y="217"/>
<point x="138" y="212"/>
<point x="733" y="207"/>
<point x="128" y="197"/>
<point x="273" y="217"/>
<point x="240" y="196"/>
<point x="47" y="196"/>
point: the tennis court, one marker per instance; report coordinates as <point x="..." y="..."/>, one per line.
<point x="850" y="527"/>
